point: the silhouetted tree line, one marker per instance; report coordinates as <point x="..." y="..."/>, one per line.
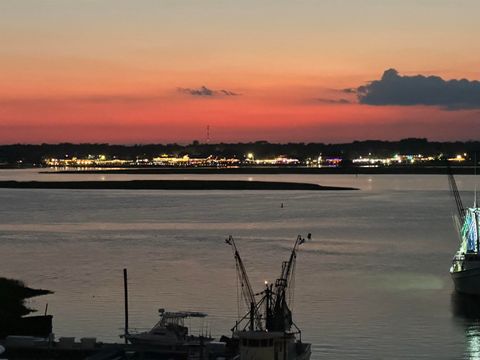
<point x="13" y="294"/>
<point x="34" y="154"/>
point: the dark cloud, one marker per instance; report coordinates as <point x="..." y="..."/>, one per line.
<point x="201" y="91"/>
<point x="204" y="91"/>
<point x="333" y="101"/>
<point x="349" y="91"/>
<point x="227" y="92"/>
<point x="394" y="89"/>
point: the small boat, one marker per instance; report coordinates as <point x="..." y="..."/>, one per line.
<point x="267" y="331"/>
<point x="465" y="269"/>
<point x="170" y="332"/>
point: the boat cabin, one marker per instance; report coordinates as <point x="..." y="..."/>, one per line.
<point x="262" y="345"/>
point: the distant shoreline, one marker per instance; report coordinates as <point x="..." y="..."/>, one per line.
<point x="395" y="170"/>
<point x="168" y="185"/>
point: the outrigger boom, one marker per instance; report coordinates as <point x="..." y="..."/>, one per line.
<point x="277" y="316"/>
<point x="265" y="331"/>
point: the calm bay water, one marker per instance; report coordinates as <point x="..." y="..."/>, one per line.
<point x="372" y="283"/>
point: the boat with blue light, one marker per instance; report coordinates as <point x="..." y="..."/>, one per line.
<point x="465" y="269"/>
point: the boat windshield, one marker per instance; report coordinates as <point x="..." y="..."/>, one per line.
<point x="176" y="318"/>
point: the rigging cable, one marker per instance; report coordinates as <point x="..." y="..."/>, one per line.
<point x="455" y="193"/>
<point x="291" y="289"/>
<point x="238" y="297"/>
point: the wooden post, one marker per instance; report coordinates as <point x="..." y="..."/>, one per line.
<point x="125" y="290"/>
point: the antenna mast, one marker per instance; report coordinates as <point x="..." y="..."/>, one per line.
<point x="475" y="179"/>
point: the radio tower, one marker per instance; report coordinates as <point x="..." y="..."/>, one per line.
<point x="208" y="134"/>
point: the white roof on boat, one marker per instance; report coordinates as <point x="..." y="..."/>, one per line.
<point x="181" y="314"/>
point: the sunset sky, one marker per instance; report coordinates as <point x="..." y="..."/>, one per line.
<point x="143" y="71"/>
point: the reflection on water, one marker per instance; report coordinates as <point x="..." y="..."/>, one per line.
<point x="472" y="334"/>
<point x="466" y="306"/>
<point x="467" y="309"/>
<point x="364" y="182"/>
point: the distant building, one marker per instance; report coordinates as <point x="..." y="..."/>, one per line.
<point x="164" y="160"/>
<point x="100" y="161"/>
<point x="324" y="161"/>
<point x="277" y="161"/>
<point x="186" y="161"/>
<point x="372" y="161"/>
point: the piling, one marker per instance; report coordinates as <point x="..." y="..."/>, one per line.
<point x="125" y="291"/>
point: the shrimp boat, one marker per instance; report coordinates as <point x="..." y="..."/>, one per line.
<point x="465" y="269"/>
<point x="267" y="330"/>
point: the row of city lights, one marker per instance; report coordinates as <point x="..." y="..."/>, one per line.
<point x="250" y="159"/>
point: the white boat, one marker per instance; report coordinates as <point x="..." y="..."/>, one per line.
<point x="267" y="331"/>
<point x="465" y="269"/>
<point x="169" y="332"/>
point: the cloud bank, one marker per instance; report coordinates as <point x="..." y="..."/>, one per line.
<point x="204" y="91"/>
<point x="394" y="89"/>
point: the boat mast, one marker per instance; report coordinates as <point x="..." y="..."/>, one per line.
<point x="281" y="314"/>
<point x="247" y="291"/>
<point x="475" y="220"/>
<point x="475" y="210"/>
<point x="456" y="194"/>
<point x="475" y="180"/>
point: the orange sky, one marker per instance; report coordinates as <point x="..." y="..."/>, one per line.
<point x="109" y="71"/>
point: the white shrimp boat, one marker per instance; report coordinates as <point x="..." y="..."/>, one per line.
<point x="465" y="269"/>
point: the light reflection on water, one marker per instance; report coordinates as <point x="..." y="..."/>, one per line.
<point x="466" y="310"/>
<point x="472" y="334"/>
<point x="372" y="284"/>
<point x="364" y="182"/>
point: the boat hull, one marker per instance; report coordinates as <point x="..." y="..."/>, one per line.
<point x="467" y="281"/>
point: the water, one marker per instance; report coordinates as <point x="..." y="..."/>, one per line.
<point x="372" y="284"/>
